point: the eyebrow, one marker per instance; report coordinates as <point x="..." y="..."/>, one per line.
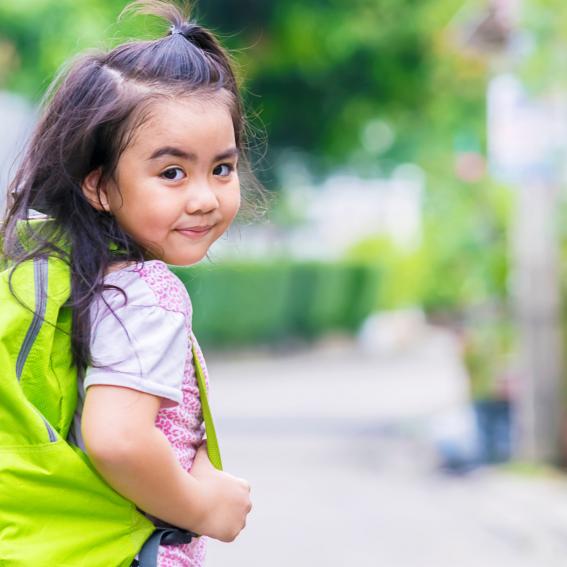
<point x="190" y="156"/>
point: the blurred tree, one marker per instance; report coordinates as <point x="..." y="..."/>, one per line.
<point x="37" y="36"/>
<point x="366" y="83"/>
<point x="462" y="265"/>
<point x="545" y="43"/>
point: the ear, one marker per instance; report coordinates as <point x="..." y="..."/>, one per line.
<point x="96" y="192"/>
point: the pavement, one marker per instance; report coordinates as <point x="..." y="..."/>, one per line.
<point x="338" y="445"/>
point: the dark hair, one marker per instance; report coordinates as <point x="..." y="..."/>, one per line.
<point x="90" y="115"/>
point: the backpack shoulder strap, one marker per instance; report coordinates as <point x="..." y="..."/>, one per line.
<point x="213" y="449"/>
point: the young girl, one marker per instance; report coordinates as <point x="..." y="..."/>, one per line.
<point x="136" y="161"/>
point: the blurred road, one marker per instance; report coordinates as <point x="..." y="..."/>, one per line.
<point x="337" y="447"/>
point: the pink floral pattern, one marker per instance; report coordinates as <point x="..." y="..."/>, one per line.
<point x="182" y="425"/>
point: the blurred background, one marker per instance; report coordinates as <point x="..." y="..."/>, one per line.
<point x="385" y="341"/>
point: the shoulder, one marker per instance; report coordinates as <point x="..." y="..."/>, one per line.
<point x="168" y="289"/>
<point x="145" y="285"/>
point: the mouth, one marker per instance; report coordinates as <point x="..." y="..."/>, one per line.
<point x="195" y="231"/>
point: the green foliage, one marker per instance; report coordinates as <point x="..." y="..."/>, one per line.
<point x="350" y="63"/>
<point x="488" y="344"/>
<point x="466" y="245"/>
<point x="463" y="259"/>
<point x="545" y="26"/>
<point x="250" y="303"/>
<point x="331" y="296"/>
<point x="402" y="272"/>
<point x="238" y="303"/>
<point x="38" y="36"/>
<point x="365" y="282"/>
<point x="316" y="72"/>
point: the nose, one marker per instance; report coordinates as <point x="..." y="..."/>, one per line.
<point x="201" y="198"/>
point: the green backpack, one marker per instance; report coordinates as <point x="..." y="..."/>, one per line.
<point x="55" y="509"/>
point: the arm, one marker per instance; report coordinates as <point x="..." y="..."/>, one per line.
<point x="135" y="458"/>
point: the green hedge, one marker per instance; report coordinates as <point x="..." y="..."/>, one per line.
<point x="252" y="302"/>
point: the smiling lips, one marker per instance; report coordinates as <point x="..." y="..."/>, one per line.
<point x="195" y="231"/>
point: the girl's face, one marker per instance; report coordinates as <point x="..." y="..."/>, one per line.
<point x="176" y="186"/>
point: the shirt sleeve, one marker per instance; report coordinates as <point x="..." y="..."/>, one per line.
<point x="143" y="347"/>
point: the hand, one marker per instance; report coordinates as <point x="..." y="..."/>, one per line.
<point x="227" y="499"/>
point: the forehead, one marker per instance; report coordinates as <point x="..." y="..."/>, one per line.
<point x="194" y="122"/>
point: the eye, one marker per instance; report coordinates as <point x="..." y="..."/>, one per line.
<point x="173" y="174"/>
<point x="224" y="169"/>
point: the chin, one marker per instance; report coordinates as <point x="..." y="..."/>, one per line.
<point x="181" y="260"/>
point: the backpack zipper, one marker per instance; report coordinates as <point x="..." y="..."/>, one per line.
<point x="50" y="432"/>
<point x="40" y="271"/>
<point x="40" y="280"/>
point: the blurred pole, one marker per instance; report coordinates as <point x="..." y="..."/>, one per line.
<point x="535" y="284"/>
<point x="523" y="141"/>
<point x="537" y="301"/>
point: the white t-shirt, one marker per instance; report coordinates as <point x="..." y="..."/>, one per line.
<point x="142" y="345"/>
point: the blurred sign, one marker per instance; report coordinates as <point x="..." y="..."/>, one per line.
<point x="526" y="136"/>
<point x="347" y="209"/>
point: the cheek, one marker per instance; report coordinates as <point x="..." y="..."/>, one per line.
<point x="150" y="204"/>
<point x="232" y="204"/>
<point x="144" y="218"/>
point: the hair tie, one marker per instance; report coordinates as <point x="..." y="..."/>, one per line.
<point x="185" y="29"/>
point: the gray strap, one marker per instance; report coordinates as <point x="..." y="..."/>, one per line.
<point x="167" y="536"/>
<point x="149" y="552"/>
